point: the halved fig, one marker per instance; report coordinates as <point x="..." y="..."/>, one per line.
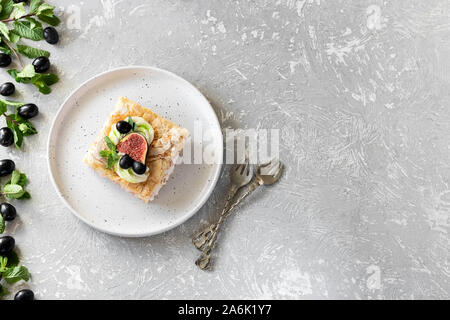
<point x="134" y="145"/>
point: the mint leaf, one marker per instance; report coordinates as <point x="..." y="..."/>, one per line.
<point x="34" y="5"/>
<point x="111" y="162"/>
<point x="14" y="37"/>
<point x="51" y="20"/>
<point x="44" y="81"/>
<point x="25" y="196"/>
<point x="12" y="189"/>
<point x="15" y="74"/>
<point x="48" y="78"/>
<point x="18" y="136"/>
<point x="2" y="224"/>
<point x="27" y="128"/>
<point x="3" y="263"/>
<point x="3" y="107"/>
<point x="3" y="291"/>
<point x="18" y="178"/>
<point x="19" y="10"/>
<point x="111" y="154"/>
<point x="15" y="187"/>
<point x="110" y="144"/>
<point x="15" y="274"/>
<point x="45" y="13"/>
<point x="33" y="23"/>
<point x="104" y="153"/>
<point x="7" y="8"/>
<point x="4" y="30"/>
<point x="12" y="103"/>
<point x="111" y="157"/>
<point x="45" y="8"/>
<point x="27" y="72"/>
<point x="31" y="52"/>
<point x="12" y="260"/>
<point x="42" y="86"/>
<point x="4" y="48"/>
<point x="15" y="177"/>
<point x="132" y="124"/>
<point x="17" y="195"/>
<point x="20" y="127"/>
<point x="25" y="30"/>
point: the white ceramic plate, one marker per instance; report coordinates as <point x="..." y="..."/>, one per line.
<point x="98" y="201"/>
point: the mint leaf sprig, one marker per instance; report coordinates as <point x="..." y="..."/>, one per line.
<point x="16" y="22"/>
<point x="132" y="124"/>
<point x="11" y="271"/>
<point x="15" y="187"/>
<point x="20" y="127"/>
<point x="42" y="81"/>
<point x="111" y="154"/>
<point x="2" y="224"/>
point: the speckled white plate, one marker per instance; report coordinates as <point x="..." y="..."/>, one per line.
<point x="101" y="203"/>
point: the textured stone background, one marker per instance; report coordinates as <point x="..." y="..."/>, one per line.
<point x="360" y="92"/>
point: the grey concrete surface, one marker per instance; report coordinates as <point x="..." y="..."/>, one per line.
<point x="360" y="91"/>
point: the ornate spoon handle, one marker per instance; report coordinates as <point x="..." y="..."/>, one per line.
<point x="203" y="237"/>
<point x="204" y="261"/>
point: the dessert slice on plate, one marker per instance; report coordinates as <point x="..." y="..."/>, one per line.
<point x="137" y="149"/>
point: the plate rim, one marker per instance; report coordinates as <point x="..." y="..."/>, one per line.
<point x="179" y="222"/>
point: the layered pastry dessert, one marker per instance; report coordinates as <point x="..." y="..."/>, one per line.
<point x="137" y="149"/>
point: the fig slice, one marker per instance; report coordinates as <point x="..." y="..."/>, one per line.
<point x="134" y="145"/>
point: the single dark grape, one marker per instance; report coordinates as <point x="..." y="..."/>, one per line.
<point x="7" y="89"/>
<point x="139" y="168"/>
<point x="41" y="64"/>
<point x="126" y="162"/>
<point x="5" y="60"/>
<point x="51" y="35"/>
<point x="7" y="244"/>
<point x="6" y="167"/>
<point x="24" y="295"/>
<point x="8" y="211"/>
<point x="6" y="137"/>
<point x="28" y="111"/>
<point x="123" y="127"/>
